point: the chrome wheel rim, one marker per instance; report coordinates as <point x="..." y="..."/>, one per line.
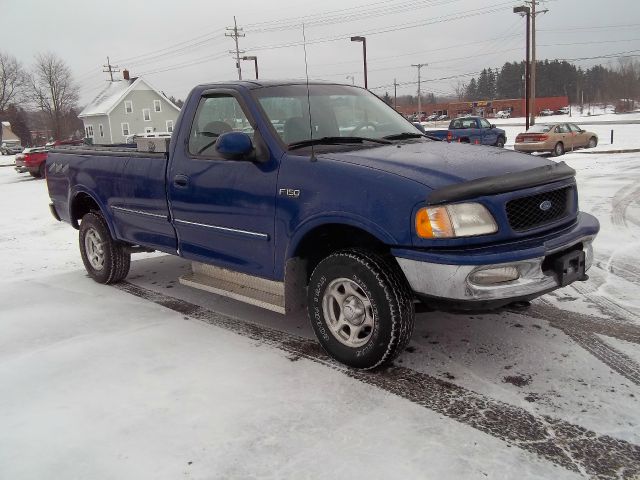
<point x="558" y="150"/>
<point x="93" y="248"/>
<point x="348" y="312"/>
<point x="592" y="143"/>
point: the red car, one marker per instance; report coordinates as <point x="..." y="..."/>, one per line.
<point x="32" y="160"/>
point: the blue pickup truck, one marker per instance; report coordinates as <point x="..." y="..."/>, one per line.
<point x="320" y="196"/>
<point x="474" y="130"/>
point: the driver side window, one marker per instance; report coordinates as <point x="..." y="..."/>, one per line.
<point x="484" y="123"/>
<point x="216" y="115"/>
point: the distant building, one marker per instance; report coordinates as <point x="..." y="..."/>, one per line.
<point x="486" y="108"/>
<point x="127" y="107"/>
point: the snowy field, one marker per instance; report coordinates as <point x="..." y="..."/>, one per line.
<point x="151" y="379"/>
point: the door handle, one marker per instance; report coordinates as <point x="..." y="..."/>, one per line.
<point x="181" y="181"/>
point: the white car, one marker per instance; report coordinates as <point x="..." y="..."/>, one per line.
<point x="546" y="112"/>
<point x="563" y="111"/>
<point x="503" y="114"/>
<point x="443" y="117"/>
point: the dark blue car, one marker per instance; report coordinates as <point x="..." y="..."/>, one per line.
<point x="474" y="130"/>
<point x="320" y="196"/>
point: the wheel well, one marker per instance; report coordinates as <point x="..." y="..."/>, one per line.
<point x="322" y="241"/>
<point x="82" y="204"/>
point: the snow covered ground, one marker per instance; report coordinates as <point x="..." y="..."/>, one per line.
<point x="152" y="379"/>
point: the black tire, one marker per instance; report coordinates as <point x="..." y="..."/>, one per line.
<point x="35" y="174"/>
<point x="593" y="142"/>
<point x="500" y="142"/>
<point x="115" y="261"/>
<point x="558" y="150"/>
<point x="382" y="284"/>
<point x="42" y="170"/>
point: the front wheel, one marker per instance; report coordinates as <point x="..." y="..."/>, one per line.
<point x="104" y="258"/>
<point x="593" y="142"/>
<point x="360" y="308"/>
<point x="500" y="142"/>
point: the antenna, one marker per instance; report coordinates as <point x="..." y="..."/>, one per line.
<point x="306" y="74"/>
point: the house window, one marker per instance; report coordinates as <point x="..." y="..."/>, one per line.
<point x="101" y="130"/>
<point x="148" y="129"/>
<point x="157" y="106"/>
<point x="128" y="106"/>
<point x="146" y="114"/>
<point x="88" y="130"/>
<point x="169" y="126"/>
<point x="125" y="129"/>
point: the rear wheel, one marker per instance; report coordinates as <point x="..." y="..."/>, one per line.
<point x="593" y="142"/>
<point x="558" y="150"/>
<point x="42" y="170"/>
<point x="360" y="308"/>
<point x="104" y="258"/>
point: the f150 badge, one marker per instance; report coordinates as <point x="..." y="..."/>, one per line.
<point x="289" y="192"/>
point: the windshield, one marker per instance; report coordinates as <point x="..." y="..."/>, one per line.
<point x="336" y="111"/>
<point x="539" y="129"/>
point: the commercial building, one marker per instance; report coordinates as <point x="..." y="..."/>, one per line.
<point x="486" y="108"/>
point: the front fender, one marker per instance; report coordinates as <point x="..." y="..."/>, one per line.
<point x="339" y="218"/>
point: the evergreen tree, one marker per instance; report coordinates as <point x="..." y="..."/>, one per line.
<point x="472" y="90"/>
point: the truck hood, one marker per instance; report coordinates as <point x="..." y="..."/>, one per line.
<point x="439" y="164"/>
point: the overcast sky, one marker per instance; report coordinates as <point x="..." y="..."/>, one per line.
<point x="177" y="44"/>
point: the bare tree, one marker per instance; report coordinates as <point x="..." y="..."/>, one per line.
<point x="13" y="81"/>
<point x="53" y="90"/>
<point x="460" y="89"/>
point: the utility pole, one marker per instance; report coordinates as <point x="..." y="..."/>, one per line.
<point x="526" y="12"/>
<point x="419" y="67"/>
<point x="236" y="32"/>
<point x="534" y="14"/>
<point x="110" y="69"/>
<point x="395" y="94"/>
<point x="532" y="108"/>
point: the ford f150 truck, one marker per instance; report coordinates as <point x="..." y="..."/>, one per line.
<point x="347" y="208"/>
<point x="474" y="130"/>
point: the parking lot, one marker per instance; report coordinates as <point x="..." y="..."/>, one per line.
<point x="151" y="376"/>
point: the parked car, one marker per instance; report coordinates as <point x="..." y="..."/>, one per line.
<point x="70" y="141"/>
<point x="11" y="148"/>
<point x="563" y="111"/>
<point x="356" y="227"/>
<point x="546" y="112"/>
<point x="475" y="130"/>
<point x="555" y="138"/>
<point x="432" y="117"/>
<point x="503" y="114"/>
<point x="442" y="117"/>
<point x="32" y="160"/>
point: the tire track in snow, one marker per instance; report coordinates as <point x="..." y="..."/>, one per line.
<point x="567" y="445"/>
<point x="584" y="330"/>
<point x="621" y="201"/>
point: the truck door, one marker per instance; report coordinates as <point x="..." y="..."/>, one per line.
<point x="489" y="135"/>
<point x="223" y="210"/>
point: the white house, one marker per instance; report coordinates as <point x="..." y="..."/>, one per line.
<point x="127" y="107"/>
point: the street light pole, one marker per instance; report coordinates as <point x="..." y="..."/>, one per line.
<point x="364" y="56"/>
<point x="526" y="12"/>
<point x="255" y="62"/>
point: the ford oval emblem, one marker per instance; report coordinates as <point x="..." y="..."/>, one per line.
<point x="546" y="205"/>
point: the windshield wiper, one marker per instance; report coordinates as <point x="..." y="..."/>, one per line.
<point x="405" y="135"/>
<point x="335" y="141"/>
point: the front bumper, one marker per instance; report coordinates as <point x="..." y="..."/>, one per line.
<point x="451" y="279"/>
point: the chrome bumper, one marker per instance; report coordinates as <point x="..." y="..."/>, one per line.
<point x="454" y="282"/>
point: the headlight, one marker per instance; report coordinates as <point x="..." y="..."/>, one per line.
<point x="455" y="220"/>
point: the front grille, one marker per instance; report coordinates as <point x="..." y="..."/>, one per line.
<point x="534" y="211"/>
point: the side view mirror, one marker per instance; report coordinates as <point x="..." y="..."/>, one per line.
<point x="493" y="126"/>
<point x="235" y="146"/>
